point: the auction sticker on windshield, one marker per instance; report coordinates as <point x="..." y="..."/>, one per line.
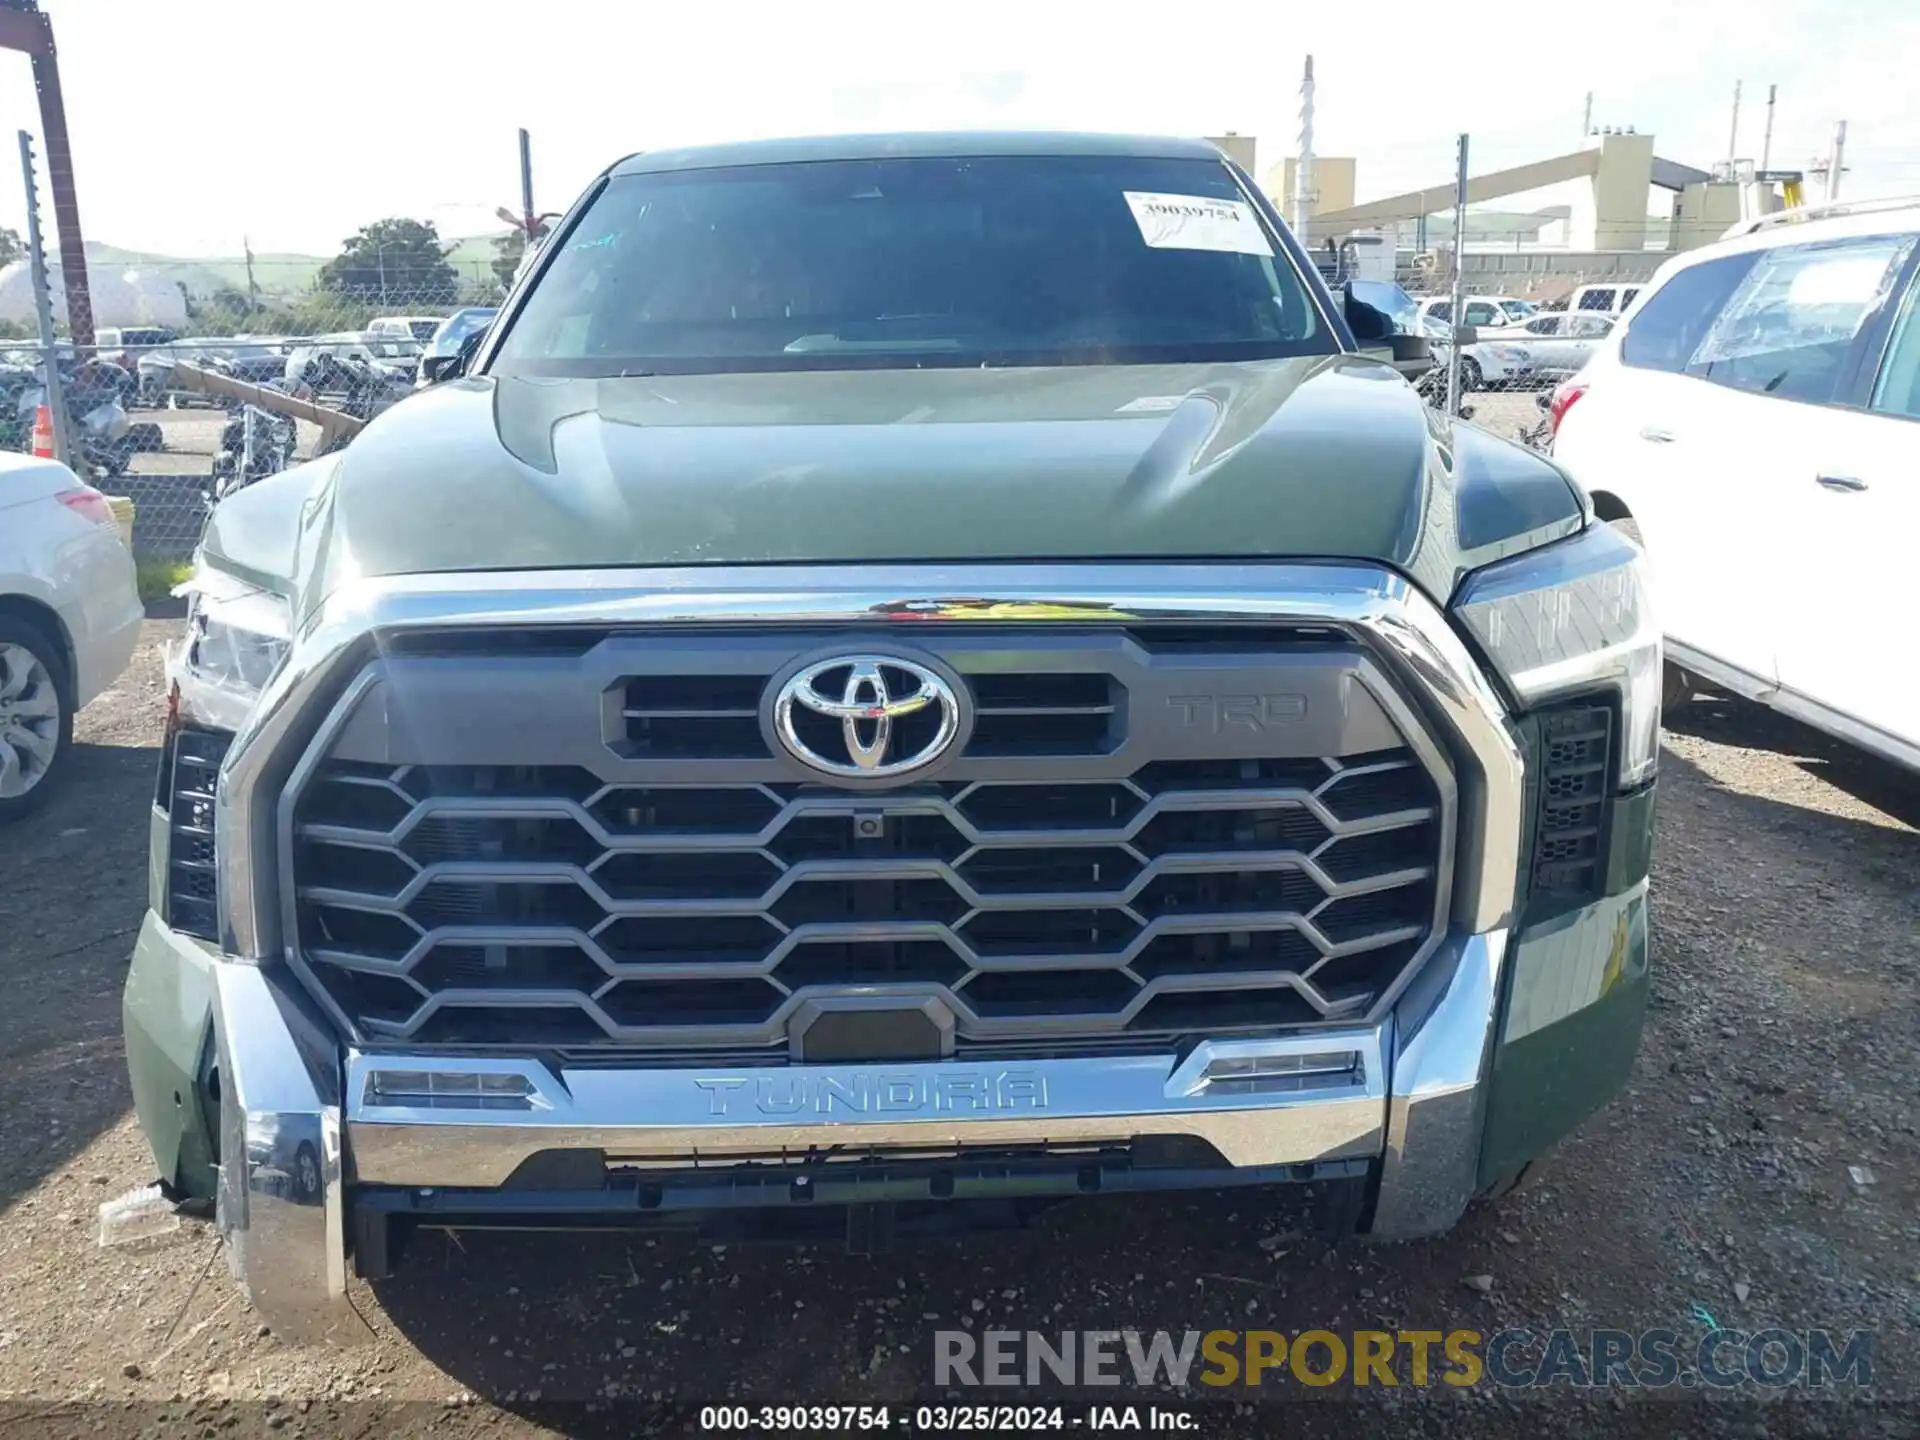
<point x="1197" y="222"/>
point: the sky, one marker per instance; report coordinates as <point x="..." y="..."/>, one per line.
<point x="199" y="124"/>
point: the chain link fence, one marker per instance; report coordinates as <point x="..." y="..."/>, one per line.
<point x="1534" y="319"/>
<point x="175" y="440"/>
<point x="1530" y="314"/>
<point x="1524" y="346"/>
<point x="168" y="415"/>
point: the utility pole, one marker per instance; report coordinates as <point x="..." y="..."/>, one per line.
<point x="526" y="183"/>
<point x="1766" y="140"/>
<point x="1456" y="316"/>
<point x="1303" y="167"/>
<point x="1733" y="137"/>
<point x="1586" y="119"/>
<point x="253" y="290"/>
<point x="24" y="28"/>
<point x="1836" y="162"/>
<point x="43" y="305"/>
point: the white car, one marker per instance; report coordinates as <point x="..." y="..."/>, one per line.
<point x="1488" y="312"/>
<point x="1755" y="420"/>
<point x="416" y="328"/>
<point x="1560" y="342"/>
<point x="1486" y="364"/>
<point x="70" y="615"/>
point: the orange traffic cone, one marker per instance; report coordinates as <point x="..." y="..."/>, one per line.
<point x="43" y="432"/>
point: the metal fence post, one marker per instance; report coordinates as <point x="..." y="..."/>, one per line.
<point x="1455" y="311"/>
<point x="526" y="183"/>
<point x="43" y="305"/>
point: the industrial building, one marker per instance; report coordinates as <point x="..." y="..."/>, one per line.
<point x="1604" y="229"/>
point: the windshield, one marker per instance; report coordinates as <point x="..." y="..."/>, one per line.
<point x="423" y="329"/>
<point x="1516" y="309"/>
<point x="997" y="260"/>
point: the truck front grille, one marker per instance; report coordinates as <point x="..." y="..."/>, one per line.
<point x="672" y="897"/>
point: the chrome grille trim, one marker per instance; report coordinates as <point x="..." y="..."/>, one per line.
<point x="1399" y="627"/>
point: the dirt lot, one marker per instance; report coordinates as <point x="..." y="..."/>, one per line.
<point x="1782" y="1049"/>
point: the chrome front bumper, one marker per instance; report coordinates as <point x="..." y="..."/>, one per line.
<point x="300" y="1123"/>
<point x="304" y="1122"/>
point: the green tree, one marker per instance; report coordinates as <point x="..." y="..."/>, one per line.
<point x="393" y="261"/>
<point x="227" y="311"/>
<point x="12" y="247"/>
<point x="507" y="250"/>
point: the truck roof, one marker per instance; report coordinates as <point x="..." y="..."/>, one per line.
<point x="911" y="145"/>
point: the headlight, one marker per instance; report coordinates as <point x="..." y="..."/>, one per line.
<point x="1574" y="617"/>
<point x="237" y="636"/>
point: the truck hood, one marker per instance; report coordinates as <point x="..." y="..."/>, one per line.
<point x="1329" y="457"/>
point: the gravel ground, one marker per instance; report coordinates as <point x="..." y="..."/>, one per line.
<point x="1781" y="1050"/>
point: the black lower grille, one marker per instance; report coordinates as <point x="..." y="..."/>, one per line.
<point x="1569" y="849"/>
<point x="659" y="898"/>
<point x="189" y="771"/>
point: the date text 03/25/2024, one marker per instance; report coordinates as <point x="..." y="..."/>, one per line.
<point x="936" y="1419"/>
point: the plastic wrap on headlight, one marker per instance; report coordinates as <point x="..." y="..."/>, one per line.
<point x="237" y="637"/>
<point x="1574" y="617"/>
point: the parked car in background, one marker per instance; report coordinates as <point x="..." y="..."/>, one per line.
<point x="153" y="368"/>
<point x="417" y="328"/>
<point x="358" y="377"/>
<point x="1484" y="364"/>
<point x="253" y="358"/>
<point x="396" y="358"/>
<point x="1755" y="422"/>
<point x="1486" y="312"/>
<point x="452" y="334"/>
<point x="1604" y="299"/>
<point x="254" y="361"/>
<point x="69" y="616"/>
<point x="124" y="346"/>
<point x="399" y="357"/>
<point x="1558" y="344"/>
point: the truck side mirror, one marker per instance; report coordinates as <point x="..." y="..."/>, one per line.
<point x="1369" y="326"/>
<point x="435" y="368"/>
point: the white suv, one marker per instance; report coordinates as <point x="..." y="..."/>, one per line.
<point x="1755" y="420"/>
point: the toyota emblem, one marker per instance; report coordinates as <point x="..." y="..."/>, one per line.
<point x="866" y="717"/>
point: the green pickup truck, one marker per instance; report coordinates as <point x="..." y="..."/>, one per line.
<point x="902" y="672"/>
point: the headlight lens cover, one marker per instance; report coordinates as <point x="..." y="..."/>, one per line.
<point x="1574" y="616"/>
<point x="237" y="637"/>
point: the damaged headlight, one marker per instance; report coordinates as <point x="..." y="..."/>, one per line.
<point x="237" y="638"/>
<point x="1574" y="617"/>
